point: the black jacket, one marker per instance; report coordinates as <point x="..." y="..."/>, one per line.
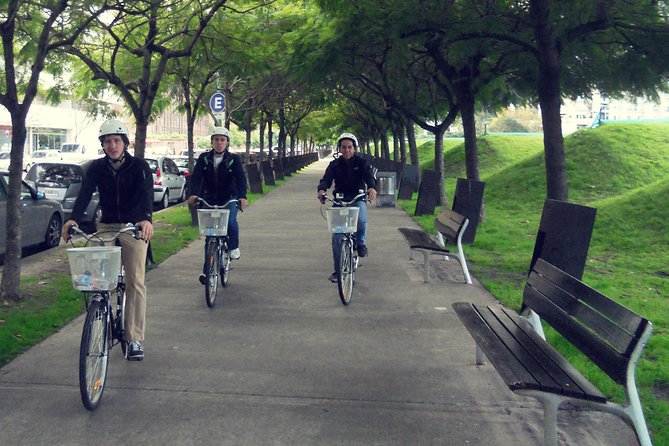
<point x="218" y="185"/>
<point x="349" y="176"/>
<point x="126" y="195"/>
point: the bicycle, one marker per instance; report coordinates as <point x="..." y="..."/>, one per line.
<point x="342" y="220"/>
<point x="98" y="273"/>
<point x="213" y="224"/>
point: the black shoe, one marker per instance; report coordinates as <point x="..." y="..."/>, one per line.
<point x="202" y="279"/>
<point x="135" y="351"/>
<point x="333" y="278"/>
<point x="362" y="251"/>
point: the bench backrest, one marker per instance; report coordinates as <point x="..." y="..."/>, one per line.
<point x="449" y="223"/>
<point x="605" y="331"/>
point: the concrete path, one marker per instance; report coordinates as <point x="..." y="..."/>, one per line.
<point x="280" y="361"/>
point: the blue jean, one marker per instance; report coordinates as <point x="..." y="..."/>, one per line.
<point x="233" y="234"/>
<point x="360" y="235"/>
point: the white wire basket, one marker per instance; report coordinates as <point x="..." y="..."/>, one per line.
<point x="95" y="268"/>
<point x="342" y="220"/>
<point x="213" y="222"/>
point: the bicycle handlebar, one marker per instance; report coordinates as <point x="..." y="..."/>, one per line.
<point x="202" y="201"/>
<point x="342" y="202"/>
<point x="136" y="233"/>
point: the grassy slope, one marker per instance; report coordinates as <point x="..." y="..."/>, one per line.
<point x="622" y="170"/>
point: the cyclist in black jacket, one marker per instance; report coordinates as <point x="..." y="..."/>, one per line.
<point x="218" y="176"/>
<point x="350" y="174"/>
<point x="125" y="185"/>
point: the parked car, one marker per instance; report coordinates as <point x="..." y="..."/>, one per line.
<point x="4" y="160"/>
<point x="61" y="181"/>
<point x="169" y="184"/>
<point x="40" y="155"/>
<point x="182" y="164"/>
<point x="41" y="218"/>
<point x="74" y="152"/>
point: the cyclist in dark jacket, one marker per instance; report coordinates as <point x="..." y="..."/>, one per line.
<point x="125" y="186"/>
<point x="351" y="174"/>
<point x="218" y="176"/>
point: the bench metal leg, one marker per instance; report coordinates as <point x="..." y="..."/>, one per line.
<point x="550" y="402"/>
<point x="426" y="256"/>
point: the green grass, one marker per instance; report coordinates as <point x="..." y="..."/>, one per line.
<point x="623" y="171"/>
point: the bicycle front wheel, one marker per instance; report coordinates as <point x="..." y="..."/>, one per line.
<point x="211" y="273"/>
<point x="225" y="268"/>
<point x="345" y="272"/>
<point x="94" y="354"/>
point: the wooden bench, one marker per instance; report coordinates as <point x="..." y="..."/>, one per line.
<point x="607" y="333"/>
<point x="450" y="226"/>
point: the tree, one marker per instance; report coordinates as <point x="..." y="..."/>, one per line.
<point x="131" y="46"/>
<point x="31" y="35"/>
<point x="572" y="48"/>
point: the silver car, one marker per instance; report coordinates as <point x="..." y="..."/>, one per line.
<point x="41" y="218"/>
<point x="169" y="184"/>
<point x="61" y="181"/>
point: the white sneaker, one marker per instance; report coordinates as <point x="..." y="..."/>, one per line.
<point x="235" y="254"/>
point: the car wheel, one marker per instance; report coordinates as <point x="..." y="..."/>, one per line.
<point x="164" y="204"/>
<point x="52" y="235"/>
<point x="183" y="196"/>
<point x="92" y="226"/>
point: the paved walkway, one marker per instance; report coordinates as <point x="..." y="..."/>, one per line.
<point x="281" y="361"/>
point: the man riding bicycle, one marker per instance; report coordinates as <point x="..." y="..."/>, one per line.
<point x="350" y="173"/>
<point x="125" y="186"/>
<point x="218" y="176"/>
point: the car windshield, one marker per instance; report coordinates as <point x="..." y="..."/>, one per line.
<point x="153" y="164"/>
<point x="181" y="162"/>
<point x="54" y="175"/>
<point x="69" y="148"/>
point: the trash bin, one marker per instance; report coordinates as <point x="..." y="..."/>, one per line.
<point x="385" y="189"/>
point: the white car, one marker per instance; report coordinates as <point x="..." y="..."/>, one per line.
<point x="40" y="155"/>
<point x="169" y="184"/>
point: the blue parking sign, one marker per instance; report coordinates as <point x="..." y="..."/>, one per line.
<point x="217" y="102"/>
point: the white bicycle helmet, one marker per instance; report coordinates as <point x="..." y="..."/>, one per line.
<point x="350" y="136"/>
<point x="220" y="131"/>
<point x="114" y="127"/>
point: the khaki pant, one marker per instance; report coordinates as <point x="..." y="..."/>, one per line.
<point x="133" y="257"/>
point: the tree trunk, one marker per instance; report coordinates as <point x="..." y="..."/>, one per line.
<point x="385" y="149"/>
<point x="403" y="146"/>
<point x="11" y="274"/>
<point x="466" y="102"/>
<point x="549" y="100"/>
<point x="140" y="137"/>
<point x="413" y="148"/>
<point x="439" y="161"/>
<point x="261" y="129"/>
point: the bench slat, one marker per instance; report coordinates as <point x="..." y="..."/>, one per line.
<point x="599" y="352"/>
<point x="505" y="363"/>
<point x="623" y="316"/>
<point x="449" y="223"/>
<point x="418" y="238"/>
<point x="550" y="371"/>
<point x="604" y="327"/>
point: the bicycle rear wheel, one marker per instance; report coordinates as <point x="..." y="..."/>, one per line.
<point x="94" y="354"/>
<point x="345" y="272"/>
<point x="211" y="273"/>
<point x="225" y="268"/>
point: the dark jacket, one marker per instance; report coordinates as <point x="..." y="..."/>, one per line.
<point x="218" y="185"/>
<point x="349" y="176"/>
<point x="126" y="195"/>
